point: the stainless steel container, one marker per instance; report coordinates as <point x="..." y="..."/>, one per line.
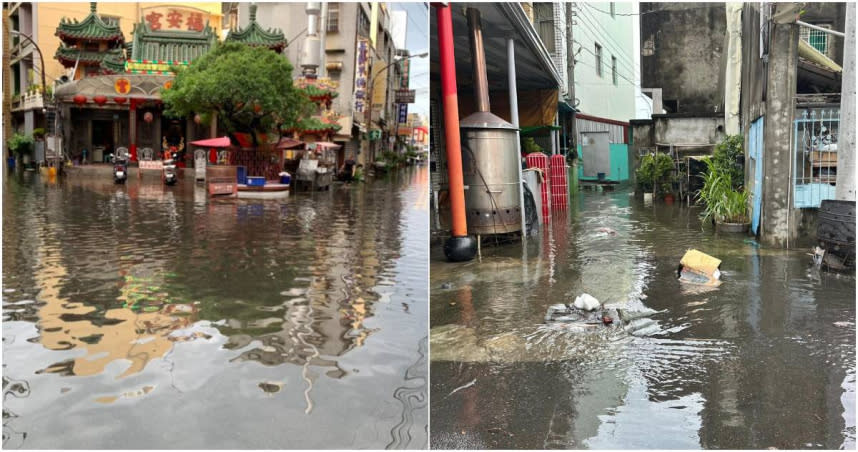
<point x="489" y="155"/>
<point x="490" y="173"/>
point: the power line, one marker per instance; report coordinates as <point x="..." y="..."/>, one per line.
<point x="647" y="12"/>
<point x="594" y="36"/>
<point x="617" y="48"/>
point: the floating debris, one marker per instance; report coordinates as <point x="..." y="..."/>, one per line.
<point x="270" y="387"/>
<point x="700" y="268"/>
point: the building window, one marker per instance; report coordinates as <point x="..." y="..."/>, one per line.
<point x="598" y="55"/>
<point x="543" y="14"/>
<point x="333" y="17"/>
<point x="363" y="23"/>
<point x="109" y="20"/>
<point x="614" y="69"/>
<point x="816" y="38"/>
<point x="613" y="9"/>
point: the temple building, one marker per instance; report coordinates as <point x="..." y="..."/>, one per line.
<point x="91" y="47"/>
<point x="117" y="102"/>
<point x="254" y="35"/>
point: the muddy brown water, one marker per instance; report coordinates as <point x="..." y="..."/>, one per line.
<point x="765" y="360"/>
<point x="140" y="316"/>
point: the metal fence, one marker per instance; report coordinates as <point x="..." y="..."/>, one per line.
<point x="815" y="136"/>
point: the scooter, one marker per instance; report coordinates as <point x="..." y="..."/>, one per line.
<point x="120" y="169"/>
<point x="170" y="176"/>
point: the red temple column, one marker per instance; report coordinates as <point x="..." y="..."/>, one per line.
<point x="132" y="129"/>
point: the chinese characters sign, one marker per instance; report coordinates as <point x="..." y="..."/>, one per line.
<point x="171" y="18"/>
<point x="402" y="117"/>
<point x="151" y="66"/>
<point x="362" y="65"/>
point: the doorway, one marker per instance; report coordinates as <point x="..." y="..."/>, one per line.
<point x="102" y="141"/>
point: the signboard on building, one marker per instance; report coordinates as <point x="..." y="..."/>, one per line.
<point x="166" y="18"/>
<point x="405" y="96"/>
<point x="406" y="68"/>
<point x="379" y="89"/>
<point x="402" y="114"/>
<point x="152" y="67"/>
<point x="362" y="65"/>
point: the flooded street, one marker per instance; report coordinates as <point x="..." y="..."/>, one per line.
<point x="766" y="360"/>
<point x="141" y="317"/>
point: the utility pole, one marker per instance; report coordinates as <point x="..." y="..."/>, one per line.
<point x="845" y="189"/>
<point x="7" y="83"/>
<point x="570" y="72"/>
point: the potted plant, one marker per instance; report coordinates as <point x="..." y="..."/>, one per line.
<point x="725" y="205"/>
<point x="21" y="146"/>
<point x="655" y="175"/>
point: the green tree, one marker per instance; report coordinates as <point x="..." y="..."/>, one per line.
<point x="250" y="89"/>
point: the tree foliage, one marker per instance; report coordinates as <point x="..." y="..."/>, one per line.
<point x="250" y="89"/>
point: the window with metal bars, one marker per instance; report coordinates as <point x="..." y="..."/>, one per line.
<point x="333" y="17"/>
<point x="816" y="38"/>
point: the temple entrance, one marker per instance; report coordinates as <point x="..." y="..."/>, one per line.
<point x="173" y="138"/>
<point x="102" y="141"/>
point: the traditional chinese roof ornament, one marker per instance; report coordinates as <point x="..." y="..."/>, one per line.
<point x="256" y="36"/>
<point x="152" y="43"/>
<point x="78" y="37"/>
<point x="319" y="90"/>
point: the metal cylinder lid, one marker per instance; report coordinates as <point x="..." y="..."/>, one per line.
<point x="485" y="120"/>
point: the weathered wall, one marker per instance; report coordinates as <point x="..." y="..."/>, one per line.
<point x="687" y="60"/>
<point x="688" y="130"/>
<point x="779" y="223"/>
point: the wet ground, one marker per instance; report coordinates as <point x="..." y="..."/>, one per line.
<point x="766" y="360"/>
<point x="141" y="316"/>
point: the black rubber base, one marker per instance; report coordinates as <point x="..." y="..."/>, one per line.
<point x="460" y="249"/>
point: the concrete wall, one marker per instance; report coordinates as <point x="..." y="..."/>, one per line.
<point x="686" y="60"/>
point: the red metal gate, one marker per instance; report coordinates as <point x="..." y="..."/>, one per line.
<point x="559" y="193"/>
<point x="540" y="161"/>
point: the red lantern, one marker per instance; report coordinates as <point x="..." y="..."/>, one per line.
<point x="257" y="108"/>
<point x="79" y="99"/>
<point x="100" y="100"/>
<point x="197" y="119"/>
<point x="148" y="116"/>
<point x="119" y="100"/>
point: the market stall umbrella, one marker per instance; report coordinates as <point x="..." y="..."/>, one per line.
<point x="288" y="143"/>
<point x="327" y="145"/>
<point x="221" y="142"/>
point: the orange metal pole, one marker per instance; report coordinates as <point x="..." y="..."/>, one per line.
<point x="451" y="120"/>
<point x="459" y="247"/>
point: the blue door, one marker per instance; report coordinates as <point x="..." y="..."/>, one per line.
<point x="755" y="152"/>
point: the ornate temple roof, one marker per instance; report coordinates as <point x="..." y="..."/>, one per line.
<point x="170" y="45"/>
<point x="318" y="89"/>
<point x="92" y="28"/>
<point x="255" y="35"/>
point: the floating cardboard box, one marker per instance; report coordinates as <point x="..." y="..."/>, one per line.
<point x="700" y="268"/>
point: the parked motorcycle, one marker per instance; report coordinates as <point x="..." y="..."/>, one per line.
<point x="170" y="176"/>
<point x="120" y="169"/>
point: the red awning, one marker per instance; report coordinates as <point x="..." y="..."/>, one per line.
<point x="221" y="142"/>
<point x="287" y="143"/>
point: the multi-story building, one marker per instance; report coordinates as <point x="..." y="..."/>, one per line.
<point x="346" y="33"/>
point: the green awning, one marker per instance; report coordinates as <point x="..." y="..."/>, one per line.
<point x="534" y="130"/>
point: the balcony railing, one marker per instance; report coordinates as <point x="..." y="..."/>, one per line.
<point x="29" y="101"/>
<point x="815" y="138"/>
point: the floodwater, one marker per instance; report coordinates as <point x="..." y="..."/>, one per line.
<point x="766" y="360"/>
<point x="141" y="316"/>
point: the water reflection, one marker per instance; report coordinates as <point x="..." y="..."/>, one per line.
<point x="765" y="360"/>
<point x="153" y="293"/>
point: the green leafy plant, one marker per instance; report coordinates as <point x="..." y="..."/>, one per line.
<point x="655" y="171"/>
<point x="723" y="203"/>
<point x="529" y="145"/>
<point x="729" y="159"/>
<point x="250" y="89"/>
<point x="39" y="133"/>
<point x="21" y="144"/>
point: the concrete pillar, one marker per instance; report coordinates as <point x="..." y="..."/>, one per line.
<point x="132" y="130"/>
<point x="780" y="220"/>
<point x="845" y="189"/>
<point x="29" y="122"/>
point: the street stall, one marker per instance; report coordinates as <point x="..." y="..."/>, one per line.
<point x="317" y="168"/>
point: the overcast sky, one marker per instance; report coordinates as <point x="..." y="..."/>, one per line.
<point x="417" y="41"/>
